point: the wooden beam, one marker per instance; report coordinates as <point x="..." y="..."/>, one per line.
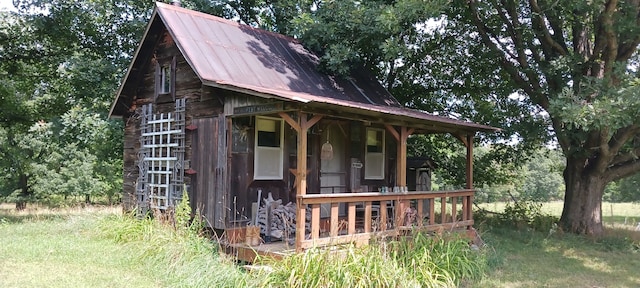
<point x="393" y="131"/>
<point x="313" y="121"/>
<point x="462" y="139"/>
<point x="290" y="121"/>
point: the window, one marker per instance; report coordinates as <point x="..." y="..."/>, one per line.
<point x="165" y="75"/>
<point x="374" y="154"/>
<point x="268" y="160"/>
<point x="165" y="79"/>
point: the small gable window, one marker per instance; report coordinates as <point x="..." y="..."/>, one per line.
<point x="374" y="154"/>
<point x="268" y="160"/>
<point x="166" y="79"/>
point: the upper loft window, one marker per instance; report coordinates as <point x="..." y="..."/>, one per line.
<point x="166" y="79"/>
<point x="268" y="159"/>
<point x="374" y="154"/>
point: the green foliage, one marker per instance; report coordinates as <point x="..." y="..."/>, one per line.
<point x="418" y="261"/>
<point x="521" y="215"/>
<point x="624" y="190"/>
<point x="61" y="64"/>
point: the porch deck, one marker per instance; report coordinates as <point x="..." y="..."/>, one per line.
<point x="368" y="216"/>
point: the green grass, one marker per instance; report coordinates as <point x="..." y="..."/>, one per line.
<point x="101" y="248"/>
<point x="533" y="259"/>
<point x="55" y="249"/>
<point x="526" y="258"/>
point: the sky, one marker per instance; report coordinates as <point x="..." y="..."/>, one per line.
<point x="6" y="5"/>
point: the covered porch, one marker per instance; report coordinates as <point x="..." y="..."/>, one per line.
<point x="356" y="216"/>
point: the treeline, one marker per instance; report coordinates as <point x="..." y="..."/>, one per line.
<point x="60" y="65"/>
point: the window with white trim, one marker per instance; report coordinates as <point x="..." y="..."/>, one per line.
<point x="374" y="154"/>
<point x="269" y="140"/>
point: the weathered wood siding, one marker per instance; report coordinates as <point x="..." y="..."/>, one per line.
<point x="202" y="102"/>
<point x="209" y="193"/>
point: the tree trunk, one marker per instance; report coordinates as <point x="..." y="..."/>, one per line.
<point x="21" y="203"/>
<point x="582" y="212"/>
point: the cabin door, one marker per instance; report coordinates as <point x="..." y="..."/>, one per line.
<point x="333" y="171"/>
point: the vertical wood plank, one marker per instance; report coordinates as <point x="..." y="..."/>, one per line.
<point x="454" y="208"/>
<point x="383" y="215"/>
<point x="367" y="216"/>
<point x="443" y="210"/>
<point x="470" y="211"/>
<point x="335" y="209"/>
<point x="315" y="221"/>
<point x="420" y="212"/>
<point x="432" y="211"/>
<point x="465" y="208"/>
<point x="351" y="218"/>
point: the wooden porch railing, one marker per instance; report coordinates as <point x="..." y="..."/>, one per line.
<point x="360" y="223"/>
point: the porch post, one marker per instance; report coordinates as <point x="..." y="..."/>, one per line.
<point x="469" y="144"/>
<point x="469" y="201"/>
<point x="301" y="179"/>
<point x="401" y="166"/>
<point x="301" y="127"/>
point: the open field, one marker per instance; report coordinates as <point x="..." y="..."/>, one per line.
<point x="618" y="213"/>
<point x="70" y="248"/>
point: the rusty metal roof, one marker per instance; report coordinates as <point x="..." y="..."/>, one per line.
<point x="234" y="56"/>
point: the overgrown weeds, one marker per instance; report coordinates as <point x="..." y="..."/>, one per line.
<point x="418" y="261"/>
<point x="519" y="215"/>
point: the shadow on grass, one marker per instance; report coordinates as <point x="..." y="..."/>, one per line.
<point x="534" y="259"/>
<point x="22" y="218"/>
<point x="8" y="214"/>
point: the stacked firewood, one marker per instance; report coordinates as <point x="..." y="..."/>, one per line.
<point x="282" y="218"/>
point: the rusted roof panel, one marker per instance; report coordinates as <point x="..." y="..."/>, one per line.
<point x="228" y="53"/>
<point x="234" y="56"/>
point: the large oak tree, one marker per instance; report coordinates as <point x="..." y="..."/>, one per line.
<point x="578" y="61"/>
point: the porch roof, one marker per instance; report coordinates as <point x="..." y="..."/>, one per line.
<point x="237" y="57"/>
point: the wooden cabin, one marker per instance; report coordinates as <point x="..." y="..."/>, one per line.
<point x="226" y="112"/>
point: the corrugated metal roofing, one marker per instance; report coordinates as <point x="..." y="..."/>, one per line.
<point x="227" y="54"/>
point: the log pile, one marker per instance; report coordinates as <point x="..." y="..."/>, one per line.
<point x="278" y="220"/>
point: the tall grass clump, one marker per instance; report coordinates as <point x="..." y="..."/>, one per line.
<point x="181" y="257"/>
<point x="439" y="259"/>
<point x="417" y="261"/>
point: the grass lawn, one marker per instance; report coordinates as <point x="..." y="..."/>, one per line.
<point x="533" y="259"/>
<point x="45" y="248"/>
<point x="70" y="248"/>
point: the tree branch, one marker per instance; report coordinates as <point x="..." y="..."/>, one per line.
<point x="525" y="84"/>
<point x="630" y="156"/>
<point x="621" y="136"/>
<point x="545" y="36"/>
<point x="629" y="46"/>
<point x="623" y="170"/>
